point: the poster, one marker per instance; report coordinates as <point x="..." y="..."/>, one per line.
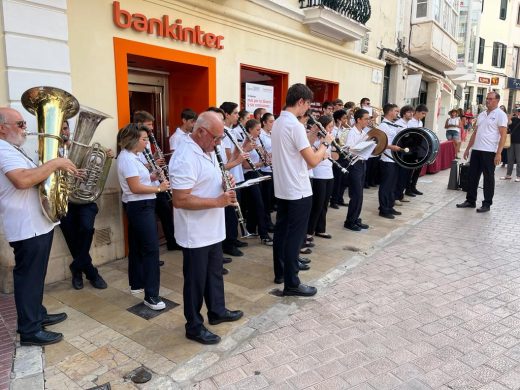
<point x="259" y="96"/>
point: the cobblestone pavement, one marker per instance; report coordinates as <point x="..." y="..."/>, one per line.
<point x="7" y="338"/>
<point x="437" y="308"/>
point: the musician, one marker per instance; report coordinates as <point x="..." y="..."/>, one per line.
<point x="340" y="132"/>
<point x="188" y="118"/>
<point x="163" y="206"/>
<point x="26" y="228"/>
<point x="337" y="104"/>
<point x="267" y="185"/>
<point x="233" y="159"/>
<point x="327" y="108"/>
<point x="258" y="113"/>
<point x="198" y="201"/>
<point x="138" y="198"/>
<point x="487" y="142"/>
<point x="403" y="176"/>
<point x="417" y="121"/>
<point x="292" y="155"/>
<point x="322" y="184"/>
<point x="387" y="164"/>
<point x="356" y="174"/>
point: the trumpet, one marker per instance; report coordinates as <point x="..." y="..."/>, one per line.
<point x="238" y="210"/>
<point x="240" y="150"/>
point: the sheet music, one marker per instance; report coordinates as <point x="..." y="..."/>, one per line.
<point x="252" y="182"/>
<point x="363" y="149"/>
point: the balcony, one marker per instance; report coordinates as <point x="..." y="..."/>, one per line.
<point x="337" y="20"/>
<point x="433" y="46"/>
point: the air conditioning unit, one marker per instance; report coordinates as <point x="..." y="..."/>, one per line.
<point x="364" y="44"/>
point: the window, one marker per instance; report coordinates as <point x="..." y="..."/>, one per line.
<point x="503" y="9"/>
<point x="499" y="55"/>
<point x="518" y="16"/>
<point x="422" y="9"/>
<point x="481" y="47"/>
<point x="444" y="12"/>
<point x="276" y="79"/>
<point x="481" y="92"/>
<point x="323" y="90"/>
<point x="516" y="62"/>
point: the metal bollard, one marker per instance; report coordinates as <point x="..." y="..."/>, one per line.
<point x="453" y="183"/>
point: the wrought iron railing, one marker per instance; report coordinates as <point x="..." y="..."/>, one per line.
<point x="358" y="10"/>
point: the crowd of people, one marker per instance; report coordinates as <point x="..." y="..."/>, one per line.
<point x="302" y="162"/>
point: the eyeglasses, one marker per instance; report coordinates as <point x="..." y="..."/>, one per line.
<point x="216" y="138"/>
<point x="20" y="124"/>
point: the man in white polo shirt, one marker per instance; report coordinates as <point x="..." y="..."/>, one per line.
<point x="487" y="142"/>
<point x="292" y="156"/>
<point x="26" y="228"/>
<point x="199" y="201"/>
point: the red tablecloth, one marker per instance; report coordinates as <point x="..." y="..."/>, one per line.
<point x="444" y="158"/>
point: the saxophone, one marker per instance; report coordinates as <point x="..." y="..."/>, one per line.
<point x="93" y="159"/>
<point x="51" y="106"/>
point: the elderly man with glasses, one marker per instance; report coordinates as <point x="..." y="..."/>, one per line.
<point x="26" y="228"/>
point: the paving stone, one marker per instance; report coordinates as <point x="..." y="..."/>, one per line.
<point x="385" y="381"/>
<point x="474" y="359"/>
<point x="305" y="379"/>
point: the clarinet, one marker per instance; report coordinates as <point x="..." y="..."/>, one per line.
<point x="160" y="154"/>
<point x="241" y="220"/>
<point x="240" y="150"/>
<point x="162" y="177"/>
<point x="257" y="149"/>
<point x="323" y="133"/>
<point x="337" y="164"/>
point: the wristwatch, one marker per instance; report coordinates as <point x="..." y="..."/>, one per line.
<point x="158" y="189"/>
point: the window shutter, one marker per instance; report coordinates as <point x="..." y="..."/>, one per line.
<point x="503" y="59"/>
<point x="481" y="47"/>
<point x="494" y="58"/>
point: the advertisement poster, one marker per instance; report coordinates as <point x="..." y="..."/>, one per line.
<point x="259" y="96"/>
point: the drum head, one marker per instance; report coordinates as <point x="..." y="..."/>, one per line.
<point x="422" y="145"/>
<point x="380" y="138"/>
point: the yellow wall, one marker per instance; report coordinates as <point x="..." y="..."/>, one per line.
<point x="3" y="73"/>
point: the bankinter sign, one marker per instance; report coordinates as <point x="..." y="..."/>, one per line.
<point x="163" y="28"/>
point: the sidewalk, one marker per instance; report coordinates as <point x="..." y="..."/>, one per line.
<point x="7" y="338"/>
<point x="104" y="341"/>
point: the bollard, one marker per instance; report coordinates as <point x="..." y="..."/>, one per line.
<point x="453" y="183"/>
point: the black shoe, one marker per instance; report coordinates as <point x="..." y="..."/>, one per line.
<point x="304" y="260"/>
<point x="302" y="290"/>
<point x="278" y="280"/>
<point x="303" y="266"/>
<point x="161" y="263"/>
<point x="227" y="260"/>
<point x="53" y="319"/>
<point x="386" y="215"/>
<point x="225" y="271"/>
<point x="309" y="244"/>
<point x="204" y="337"/>
<point x="174" y="247"/>
<point x="361" y="224"/>
<point x="409" y="193"/>
<point x="466" y="205"/>
<point x="42" y="337"/>
<point x="306" y="251"/>
<point x="229" y="316"/>
<point x="352" y="226"/>
<point x="233" y="251"/>
<point x="154" y="303"/>
<point x="99" y="283"/>
<point x="485" y="208"/>
<point x="241" y="244"/>
<point x="77" y="279"/>
<point x="342" y="203"/>
<point x="270" y="228"/>
<point x="416" y="191"/>
<point x="395" y="212"/>
<point x="334" y="206"/>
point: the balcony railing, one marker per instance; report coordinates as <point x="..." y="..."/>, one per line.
<point x="358" y="10"/>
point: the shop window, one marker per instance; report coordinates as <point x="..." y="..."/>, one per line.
<point x="503" y="9"/>
<point x="499" y="55"/>
<point x="277" y="80"/>
<point x="323" y="91"/>
<point x="481" y="92"/>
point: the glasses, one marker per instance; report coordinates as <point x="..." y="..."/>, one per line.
<point x="216" y="138"/>
<point x="20" y="124"/>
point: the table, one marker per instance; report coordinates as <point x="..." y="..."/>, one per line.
<point x="444" y="158"/>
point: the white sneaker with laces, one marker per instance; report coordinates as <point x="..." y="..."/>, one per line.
<point x="154" y="303"/>
<point x="136" y="291"/>
<point x="517" y="179"/>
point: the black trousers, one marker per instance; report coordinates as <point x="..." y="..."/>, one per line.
<point x="267" y="189"/>
<point x="143" y="247"/>
<point x="321" y="191"/>
<point x="78" y="230"/>
<point x="256" y="215"/>
<point x="387" y="187"/>
<point x="231" y="224"/>
<point x="292" y="220"/>
<point x="202" y="270"/>
<point x="356" y="181"/>
<point x="31" y="257"/>
<point x="402" y="178"/>
<point x="372" y="171"/>
<point x="414" y="178"/>
<point x="340" y="182"/>
<point x="164" y="210"/>
<point x="481" y="163"/>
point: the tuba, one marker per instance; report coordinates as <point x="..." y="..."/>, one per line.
<point x="93" y="159"/>
<point x="51" y="106"/>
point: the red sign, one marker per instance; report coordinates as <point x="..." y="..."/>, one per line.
<point x="484" y="80"/>
<point x="162" y="28"/>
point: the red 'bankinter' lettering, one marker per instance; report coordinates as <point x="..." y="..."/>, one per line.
<point x="163" y="28"/>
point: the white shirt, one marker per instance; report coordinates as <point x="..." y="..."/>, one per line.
<point x="390" y="129"/>
<point x="177" y="138"/>
<point x="402" y="123"/>
<point x="290" y="174"/>
<point x="488" y="134"/>
<point x="266" y="141"/>
<point x="236" y="171"/>
<point x="415" y="123"/>
<point x="143" y="159"/>
<point x="193" y="169"/>
<point x="324" y="169"/>
<point x="354" y="137"/>
<point x="453" y="124"/>
<point x="20" y="210"/>
<point x="130" y="165"/>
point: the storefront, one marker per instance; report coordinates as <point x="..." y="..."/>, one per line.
<point x="164" y="56"/>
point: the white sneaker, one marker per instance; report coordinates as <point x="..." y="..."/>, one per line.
<point x="517" y="179"/>
<point x="136" y="291"/>
<point x="154" y="303"/>
<point x="397" y="202"/>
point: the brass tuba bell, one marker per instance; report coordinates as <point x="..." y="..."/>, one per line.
<point x="51" y="106"/>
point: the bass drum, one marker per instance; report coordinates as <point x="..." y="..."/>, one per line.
<point x="423" y="146"/>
